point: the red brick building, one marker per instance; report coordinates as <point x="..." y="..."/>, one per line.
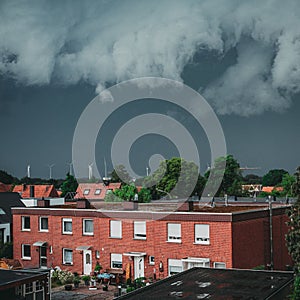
<point x="93" y="191"/>
<point x="151" y="241"/>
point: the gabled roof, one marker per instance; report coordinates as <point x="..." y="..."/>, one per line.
<point x="5" y="187"/>
<point x="7" y="201"/>
<point x="95" y="190"/>
<point x="269" y="189"/>
<point x="40" y="190"/>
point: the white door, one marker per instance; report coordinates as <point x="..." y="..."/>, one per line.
<point x="87" y="262"/>
<point x="138" y="266"/>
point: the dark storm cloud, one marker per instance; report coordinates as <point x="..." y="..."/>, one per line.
<point x="109" y="41"/>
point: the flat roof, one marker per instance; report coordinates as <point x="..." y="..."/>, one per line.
<point x="12" y="278"/>
<point x="209" y="283"/>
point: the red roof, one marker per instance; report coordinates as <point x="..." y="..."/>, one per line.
<point x="269" y="189"/>
<point x="40" y="190"/>
<point x="5" y="187"/>
<point x="95" y="190"/>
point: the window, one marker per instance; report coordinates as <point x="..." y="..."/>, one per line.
<point x="174" y="266"/>
<point x="202" y="234"/>
<point x="88" y="227"/>
<point x="29" y="288"/>
<point x="174" y="233"/>
<point x="26" y="251"/>
<point x="151" y="260"/>
<point x="86" y="191"/>
<point x="43" y="224"/>
<point x="139" y="230"/>
<point x="98" y="191"/>
<point x="116" y="261"/>
<point x="219" y="265"/>
<point x="67" y="256"/>
<point x="26" y="223"/>
<point x="67" y="226"/>
<point x="116" y="229"/>
<point x="192" y="262"/>
<point x="108" y="191"/>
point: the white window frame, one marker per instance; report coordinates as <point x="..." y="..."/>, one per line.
<point x="220" y="263"/>
<point x="174" y="232"/>
<point x="64" y="220"/>
<point x="151" y="260"/>
<point x="176" y="263"/>
<point x="84" y="227"/>
<point x="116" y="257"/>
<point x="23" y="223"/>
<point x="23" y="256"/>
<point x="202" y="234"/>
<point x="64" y="261"/>
<point x="115" y="231"/>
<point x="86" y="191"/>
<point x="98" y="191"/>
<point x="40" y="224"/>
<point x="139" y="230"/>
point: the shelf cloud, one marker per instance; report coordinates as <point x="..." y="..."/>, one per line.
<point x="103" y="42"/>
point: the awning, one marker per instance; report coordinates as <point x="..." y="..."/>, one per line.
<point x="134" y="253"/>
<point x="40" y="244"/>
<point x="81" y="248"/>
<point x="195" y="260"/>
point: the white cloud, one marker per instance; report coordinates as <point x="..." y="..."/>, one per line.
<point x="111" y="41"/>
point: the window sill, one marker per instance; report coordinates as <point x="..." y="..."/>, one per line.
<point x="25" y="230"/>
<point x="88" y="234"/>
<point x="68" y="233"/>
<point x="67" y="264"/>
<point x="141" y="239"/>
<point x="199" y="243"/>
<point x="43" y="230"/>
<point x="118" y="238"/>
<point x="26" y="258"/>
<point x="174" y="241"/>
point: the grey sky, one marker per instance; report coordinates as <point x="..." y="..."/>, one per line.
<point x="244" y="57"/>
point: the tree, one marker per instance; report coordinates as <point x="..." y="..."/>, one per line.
<point x="69" y="185"/>
<point x="119" y="174"/>
<point x="252" y="179"/>
<point x="287" y="183"/>
<point x="232" y="181"/>
<point x="293" y="236"/>
<point x="273" y="177"/>
<point x="144" y="195"/>
<point x="126" y="192"/>
<point x="7" y="178"/>
<point x="176" y="176"/>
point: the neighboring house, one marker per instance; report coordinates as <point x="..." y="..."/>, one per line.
<point x="204" y="283"/>
<point x="25" y="284"/>
<point x="7" y="201"/>
<point x="95" y="191"/>
<point x="153" y="241"/>
<point x="270" y="189"/>
<point x="5" y="187"/>
<point x="36" y="191"/>
<point x="10" y="264"/>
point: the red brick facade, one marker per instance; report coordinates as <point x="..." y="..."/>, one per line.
<point x="240" y="240"/>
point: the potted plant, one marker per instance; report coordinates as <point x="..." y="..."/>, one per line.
<point x="68" y="284"/>
<point x="86" y="279"/>
<point x="76" y="281"/>
<point x="98" y="267"/>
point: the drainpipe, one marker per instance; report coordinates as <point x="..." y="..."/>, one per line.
<point x="271" y="234"/>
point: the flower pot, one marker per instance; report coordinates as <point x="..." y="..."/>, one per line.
<point x="76" y="284"/>
<point x="68" y="287"/>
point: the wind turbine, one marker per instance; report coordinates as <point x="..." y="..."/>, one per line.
<point x="70" y="167"/>
<point x="91" y="171"/>
<point x="28" y="171"/>
<point x="50" y="170"/>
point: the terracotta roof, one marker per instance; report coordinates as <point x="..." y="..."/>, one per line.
<point x="40" y="190"/>
<point x="95" y="190"/>
<point x="5" y="187"/>
<point x="269" y="189"/>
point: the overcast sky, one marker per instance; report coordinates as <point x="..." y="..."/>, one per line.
<point x="56" y="56"/>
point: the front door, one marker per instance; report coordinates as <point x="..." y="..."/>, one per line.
<point x="43" y="257"/>
<point x="87" y="262"/>
<point x="138" y="266"/>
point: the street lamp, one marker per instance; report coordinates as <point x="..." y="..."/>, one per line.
<point x="162" y="191"/>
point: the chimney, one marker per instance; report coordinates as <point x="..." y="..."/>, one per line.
<point x="24" y="186"/>
<point x="187" y="205"/>
<point x="43" y="203"/>
<point x="31" y="191"/>
<point x="83" y="203"/>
